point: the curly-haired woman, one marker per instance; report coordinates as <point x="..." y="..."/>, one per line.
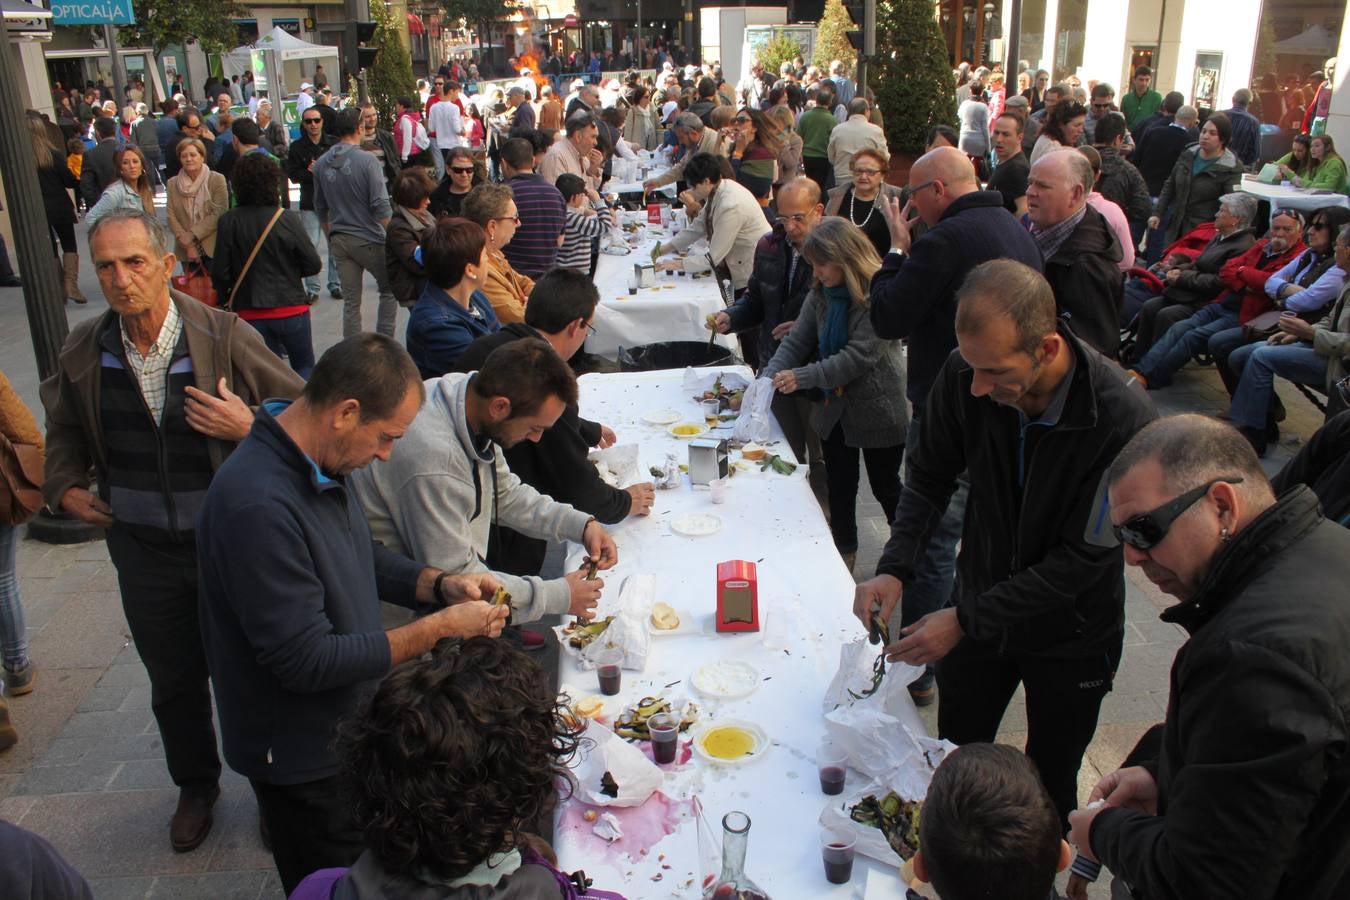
<point x="449" y="763"/>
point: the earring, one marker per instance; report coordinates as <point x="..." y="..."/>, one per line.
<point x="1223" y="535"/>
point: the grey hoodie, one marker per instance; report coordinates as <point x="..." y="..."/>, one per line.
<point x="433" y="500"/>
<point x="350" y="193"/>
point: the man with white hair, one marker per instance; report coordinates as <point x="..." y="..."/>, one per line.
<point x="697" y="138"/>
<point x="853" y="135"/>
<point x="844" y="88"/>
<point x="1081" y="252"/>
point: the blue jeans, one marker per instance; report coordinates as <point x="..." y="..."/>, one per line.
<point x="13" y="631"/>
<point x="1221" y="347"/>
<point x="931" y="588"/>
<point x="311" y="220"/>
<point x="1259" y="364"/>
<point x="289" y="337"/>
<point x="1157" y="237"/>
<point x="1182" y="341"/>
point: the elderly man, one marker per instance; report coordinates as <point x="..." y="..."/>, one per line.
<point x="519" y="112"/>
<point x="223" y="104"/>
<point x="1081" y="252"/>
<point x="731" y="220"/>
<point x="153" y="395"/>
<point x="1034" y="416"/>
<point x="576" y="154"/>
<point x="696" y="138"/>
<point x="851" y="136"/>
<point x="844" y="88"/>
<point x="913" y="298"/>
<point x="353" y="207"/>
<point x="441" y="493"/>
<point x="1246" y="139"/>
<point x="291" y="584"/>
<point x="587" y="101"/>
<point x="534" y="249"/>
<point x="1232" y="802"/>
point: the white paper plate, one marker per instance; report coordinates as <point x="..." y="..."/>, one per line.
<point x="696" y="525"/>
<point x="761" y="739"/>
<point x="662" y="417"/>
<point x="728" y="679"/>
<point x="684" y="437"/>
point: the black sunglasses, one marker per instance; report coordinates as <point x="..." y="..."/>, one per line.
<point x="460" y="170"/>
<point x="313" y="121"/>
<point x="1146" y="531"/>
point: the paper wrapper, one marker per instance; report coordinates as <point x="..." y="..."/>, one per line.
<point x="755" y="421"/>
<point x="603" y="751"/>
<point x="919" y="758"/>
<point x="628" y="631"/>
<point x="696" y="381"/>
<point x="866" y="727"/>
<point x="622" y="460"/>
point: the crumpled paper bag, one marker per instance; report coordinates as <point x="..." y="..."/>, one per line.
<point x="755" y="421"/>
<point x="866" y="728"/>
<point x="628" y="631"/>
<point x="602" y="751"/>
<point x="622" y="460"/>
<point x="696" y="381"/>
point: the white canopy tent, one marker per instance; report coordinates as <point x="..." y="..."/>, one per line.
<point x="285" y="57"/>
<point x="1312" y="41"/>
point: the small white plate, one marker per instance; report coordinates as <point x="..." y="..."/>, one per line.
<point x="728" y="679"/>
<point x="696" y="525"/>
<point x="662" y="417"/>
<point x="761" y="742"/>
<point x="684" y="437"/>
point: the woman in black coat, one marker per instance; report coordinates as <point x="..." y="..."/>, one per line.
<point x="55" y="181"/>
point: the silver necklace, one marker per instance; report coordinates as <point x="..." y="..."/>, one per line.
<point x="867" y="218"/>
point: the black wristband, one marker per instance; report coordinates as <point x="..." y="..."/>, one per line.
<point x="436" y="589"/>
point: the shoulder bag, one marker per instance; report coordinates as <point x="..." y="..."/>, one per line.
<point x="229" y="301"/>
<point x="20" y="481"/>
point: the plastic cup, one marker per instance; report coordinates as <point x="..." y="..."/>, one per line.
<point x="832" y="764"/>
<point x="609" y="671"/>
<point x="719" y="490"/>
<point x="711" y="410"/>
<point x="665" y="732"/>
<point x="836" y="852"/>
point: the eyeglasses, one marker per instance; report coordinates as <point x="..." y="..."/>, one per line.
<point x="591" y="328"/>
<point x="313" y="121"/>
<point x="799" y="218"/>
<point x="1318" y="226"/>
<point x="918" y="187"/>
<point x="1146" y="531"/>
<point x="515" y="219"/>
<point x="866" y="171"/>
<point x="1106" y="105"/>
<point x="741" y="120"/>
<point x="460" y="170"/>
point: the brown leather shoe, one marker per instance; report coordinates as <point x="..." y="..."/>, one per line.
<point x="192" y="819"/>
<point x="8" y="736"/>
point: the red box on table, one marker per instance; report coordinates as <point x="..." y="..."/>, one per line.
<point x="653" y="213"/>
<point x="737" y="596"/>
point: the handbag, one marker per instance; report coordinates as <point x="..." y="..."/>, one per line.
<point x="257" y="245"/>
<point x="196" y="283"/>
<point x="1268" y="323"/>
<point x="20" y="481"/>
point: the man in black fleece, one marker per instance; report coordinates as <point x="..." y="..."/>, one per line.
<point x="559" y="312"/>
<point x="914" y="298"/>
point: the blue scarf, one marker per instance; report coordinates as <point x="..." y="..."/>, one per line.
<point x="834" y="333"/>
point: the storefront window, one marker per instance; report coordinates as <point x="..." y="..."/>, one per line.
<point x="1070" y="29"/>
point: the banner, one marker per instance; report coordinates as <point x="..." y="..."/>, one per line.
<point x="92" y="12"/>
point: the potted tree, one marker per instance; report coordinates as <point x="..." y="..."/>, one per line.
<point x="911" y="78"/>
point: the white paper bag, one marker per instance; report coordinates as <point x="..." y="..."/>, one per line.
<point x="601" y="751"/>
<point x="869" y="728"/>
<point x="628" y="631"/>
<point x="754" y="422"/>
<point x="696" y="381"/>
<point x="621" y="460"/>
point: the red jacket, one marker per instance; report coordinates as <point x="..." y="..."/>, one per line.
<point x="1247" y="274"/>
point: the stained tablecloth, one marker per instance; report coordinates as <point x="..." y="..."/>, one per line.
<point x="805" y="602"/>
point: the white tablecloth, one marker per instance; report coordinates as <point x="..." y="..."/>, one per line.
<point x="1295" y="198"/>
<point x="674" y="310"/>
<point x="805" y="602"/>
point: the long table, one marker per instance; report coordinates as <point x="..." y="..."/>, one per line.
<point x="805" y="601"/>
<point x="1301" y="199"/>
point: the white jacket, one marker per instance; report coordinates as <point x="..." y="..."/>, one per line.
<point x="433" y="500"/>
<point x="847" y="139"/>
<point x="738" y="222"/>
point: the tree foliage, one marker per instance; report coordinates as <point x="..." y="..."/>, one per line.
<point x="160" y="23"/>
<point x="391" y="75"/>
<point x="477" y="14"/>
<point x="832" y="38"/>
<point x="780" y="48"/>
<point x="911" y="74"/>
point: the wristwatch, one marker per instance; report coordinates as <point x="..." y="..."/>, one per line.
<point x="897" y="251"/>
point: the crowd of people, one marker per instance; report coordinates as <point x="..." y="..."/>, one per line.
<point x="984" y="338"/>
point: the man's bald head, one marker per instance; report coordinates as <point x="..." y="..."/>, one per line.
<point x="800" y="190"/>
<point x="1058" y="187"/>
<point x="939" y="177"/>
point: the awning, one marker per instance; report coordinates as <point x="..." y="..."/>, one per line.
<point x="415" y="26"/>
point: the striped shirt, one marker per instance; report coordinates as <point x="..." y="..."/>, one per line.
<point x="534" y="249"/>
<point x="151" y="370"/>
<point x="578" y="234"/>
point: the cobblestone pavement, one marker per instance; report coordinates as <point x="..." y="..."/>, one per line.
<point x="88" y="772"/>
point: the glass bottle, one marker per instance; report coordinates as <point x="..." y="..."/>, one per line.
<point x="733" y="883"/>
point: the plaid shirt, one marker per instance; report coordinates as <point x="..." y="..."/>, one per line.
<point x="1049" y="240"/>
<point x="152" y="369"/>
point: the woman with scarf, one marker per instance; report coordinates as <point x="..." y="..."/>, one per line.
<point x="197" y="199"/>
<point x="410" y="223"/>
<point x="833" y="351"/>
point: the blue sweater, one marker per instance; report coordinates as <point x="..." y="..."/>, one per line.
<point x="914" y="297"/>
<point x="439" y="329"/>
<point x="289" y="584"/>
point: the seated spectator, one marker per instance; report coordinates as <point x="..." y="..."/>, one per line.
<point x="989" y="829"/>
<point x="534" y="248"/>
<point x="492" y="207"/>
<point x="1110" y="210"/>
<point x="454" y="758"/>
<point x="461" y="176"/>
<point x="559" y="313"/>
<point x="1120" y="181"/>
<point x="577" y="154"/>
<point x="445" y="487"/>
<point x="860" y="199"/>
<point x="730" y="218"/>
<point x="1082" y="255"/>
<point x="1062" y="129"/>
<point x="1298" y="162"/>
<point x="1245" y="277"/>
<point x="452" y="309"/>
<point x="1328" y="169"/>
<point x="1304" y="353"/>
<point x="411" y="223"/>
<point x="1323" y="464"/>
<point x="1188" y="283"/>
<point x="583" y="227"/>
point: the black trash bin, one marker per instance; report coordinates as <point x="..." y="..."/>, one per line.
<point x="675" y="355"/>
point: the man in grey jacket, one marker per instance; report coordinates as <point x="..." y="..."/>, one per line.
<point x="445" y="487"/>
<point x="352" y="202"/>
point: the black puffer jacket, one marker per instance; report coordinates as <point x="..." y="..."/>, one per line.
<point x="1254" y="774"/>
<point x="1123" y="185"/>
<point x="1199" y="281"/>
<point x="1039" y="572"/>
<point x="1086" y="278"/>
<point x="1323" y="465"/>
<point x="767" y="302"/>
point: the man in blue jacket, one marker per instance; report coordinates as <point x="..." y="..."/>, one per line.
<point x="914" y="299"/>
<point x="290" y="589"/>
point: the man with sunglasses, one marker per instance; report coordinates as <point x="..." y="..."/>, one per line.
<point x="303" y="152"/>
<point x="1247" y="794"/>
<point x="1034" y="416"/>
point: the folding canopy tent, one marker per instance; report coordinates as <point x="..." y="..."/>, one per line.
<point x="283" y="56"/>
<point x="1312" y="41"/>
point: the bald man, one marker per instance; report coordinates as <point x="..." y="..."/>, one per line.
<point x="1081" y="252"/>
<point x="914" y="298"/>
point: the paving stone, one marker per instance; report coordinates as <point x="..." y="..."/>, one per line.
<point x="106" y="748"/>
<point x="1160" y="632"/>
<point x="42" y="715"/>
<point x="239" y="848"/>
<point x="67" y="779"/>
<point x="139" y="774"/>
<point x="209" y="886"/>
<point x="87" y="631"/>
<point x="133" y="888"/>
<point x="94" y="724"/>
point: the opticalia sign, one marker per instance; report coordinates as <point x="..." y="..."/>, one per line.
<point x="92" y="12"/>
